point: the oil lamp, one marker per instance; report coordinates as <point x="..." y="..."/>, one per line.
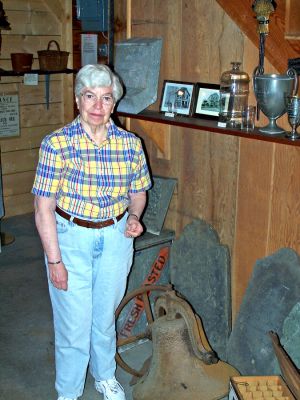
<point x="263" y="9"/>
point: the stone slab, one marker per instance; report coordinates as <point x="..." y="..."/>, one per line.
<point x="147" y="246"/>
<point x="144" y="258"/>
<point x="291" y="334"/>
<point x="290" y="339"/>
<point x="159" y="198"/>
<point x="137" y="61"/>
<point x="272" y="293"/>
<point x="149" y="240"/>
<point x="200" y="271"/>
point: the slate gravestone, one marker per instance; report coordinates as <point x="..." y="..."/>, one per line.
<point x="159" y="198"/>
<point x="271" y="303"/>
<point x="290" y="339"/>
<point x="200" y="271"/>
<point x="148" y="247"/>
<point x="137" y="61"/>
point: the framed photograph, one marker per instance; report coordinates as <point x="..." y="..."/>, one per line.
<point x="207" y="101"/>
<point x="177" y="97"/>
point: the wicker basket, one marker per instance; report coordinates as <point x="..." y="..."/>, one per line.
<point x="53" y="60"/>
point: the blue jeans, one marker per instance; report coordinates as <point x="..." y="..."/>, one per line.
<point x="98" y="262"/>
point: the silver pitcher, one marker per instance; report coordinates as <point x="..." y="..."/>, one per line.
<point x="271" y="91"/>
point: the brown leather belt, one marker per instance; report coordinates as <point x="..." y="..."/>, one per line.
<point x="88" y="224"/>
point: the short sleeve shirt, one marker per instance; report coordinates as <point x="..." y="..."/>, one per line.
<point x="91" y="181"/>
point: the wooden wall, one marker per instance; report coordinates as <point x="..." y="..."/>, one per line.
<point x="247" y="189"/>
<point x="33" y="24"/>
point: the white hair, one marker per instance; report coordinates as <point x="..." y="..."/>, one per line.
<point x="98" y="75"/>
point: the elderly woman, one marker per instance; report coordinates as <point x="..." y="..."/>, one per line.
<point x="90" y="191"/>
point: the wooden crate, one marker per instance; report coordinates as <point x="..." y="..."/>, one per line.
<point x="259" y="388"/>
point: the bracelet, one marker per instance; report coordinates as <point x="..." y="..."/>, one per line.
<point x="134" y="215"/>
<point x="54" y="262"/>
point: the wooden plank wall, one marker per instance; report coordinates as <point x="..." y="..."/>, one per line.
<point x="282" y="42"/>
<point x="33" y="24"/>
<point x="247" y="190"/>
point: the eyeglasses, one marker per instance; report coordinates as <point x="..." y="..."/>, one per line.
<point x="91" y="98"/>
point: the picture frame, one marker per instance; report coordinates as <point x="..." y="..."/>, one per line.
<point x="177" y="98"/>
<point x="207" y="101"/>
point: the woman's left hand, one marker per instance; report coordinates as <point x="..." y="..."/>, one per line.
<point x="133" y="227"/>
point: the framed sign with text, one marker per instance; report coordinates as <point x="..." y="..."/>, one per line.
<point x="9" y="115"/>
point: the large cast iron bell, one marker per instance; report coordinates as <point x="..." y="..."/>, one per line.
<point x="182" y="366"/>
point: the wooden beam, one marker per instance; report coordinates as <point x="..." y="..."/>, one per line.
<point x="67" y="41"/>
<point x="160" y="134"/>
<point x="56" y="7"/>
<point x="292" y="19"/>
<point x="128" y="19"/>
<point x="128" y="36"/>
<point x="278" y="49"/>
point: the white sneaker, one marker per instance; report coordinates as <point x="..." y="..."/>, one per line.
<point x="111" y="389"/>
<point x="65" y="398"/>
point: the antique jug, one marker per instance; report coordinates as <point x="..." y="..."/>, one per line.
<point x="234" y="91"/>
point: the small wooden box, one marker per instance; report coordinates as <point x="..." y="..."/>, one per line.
<point x="259" y="388"/>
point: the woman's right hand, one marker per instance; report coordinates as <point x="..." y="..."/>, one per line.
<point x="58" y="276"/>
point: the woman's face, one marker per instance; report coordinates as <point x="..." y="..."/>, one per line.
<point x="95" y="106"/>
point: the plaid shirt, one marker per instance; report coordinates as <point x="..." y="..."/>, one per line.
<point x="90" y="181"/>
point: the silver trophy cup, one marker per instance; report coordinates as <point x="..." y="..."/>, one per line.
<point x="293" y="112"/>
<point x="271" y="91"/>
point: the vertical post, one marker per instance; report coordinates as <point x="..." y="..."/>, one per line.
<point x="128" y="36"/>
<point x="67" y="79"/>
<point x="128" y="19"/>
<point x="111" y="33"/>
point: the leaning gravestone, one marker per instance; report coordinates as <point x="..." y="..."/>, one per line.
<point x="271" y="296"/>
<point x="159" y="198"/>
<point x="290" y="337"/>
<point x="200" y="271"/>
<point x="291" y="334"/>
<point x="151" y="256"/>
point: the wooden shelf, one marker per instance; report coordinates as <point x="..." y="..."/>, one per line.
<point x="37" y="71"/>
<point x="206" y="125"/>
